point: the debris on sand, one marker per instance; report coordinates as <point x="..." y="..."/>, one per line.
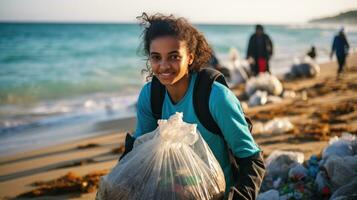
<point x="87" y="146"/>
<point x="68" y="184"/>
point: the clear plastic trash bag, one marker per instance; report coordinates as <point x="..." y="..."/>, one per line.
<point x="278" y="125"/>
<point x="340" y="146"/>
<point x="258" y="98"/>
<point x="341" y="170"/>
<point x="346" y="192"/>
<point x="280" y="162"/>
<point x="264" y="82"/>
<point x="298" y="172"/>
<point x="172" y="162"/>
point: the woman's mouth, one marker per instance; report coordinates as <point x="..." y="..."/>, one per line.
<point x="166" y="75"/>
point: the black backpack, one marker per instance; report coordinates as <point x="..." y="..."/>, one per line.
<point x="201" y="94"/>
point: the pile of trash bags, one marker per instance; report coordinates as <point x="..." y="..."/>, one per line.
<point x="305" y="68"/>
<point x="172" y="162"/>
<point x="264" y="88"/>
<point x="334" y="176"/>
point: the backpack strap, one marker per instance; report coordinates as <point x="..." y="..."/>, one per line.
<point x="157" y="97"/>
<point x="201" y="94"/>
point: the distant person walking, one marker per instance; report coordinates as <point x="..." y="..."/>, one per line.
<point x="312" y="53"/>
<point x="340" y="46"/>
<point x="260" y="50"/>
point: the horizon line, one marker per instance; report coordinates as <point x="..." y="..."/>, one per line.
<point x="133" y="22"/>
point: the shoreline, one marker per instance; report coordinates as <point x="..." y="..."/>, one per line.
<point x="101" y="152"/>
<point x="75" y="132"/>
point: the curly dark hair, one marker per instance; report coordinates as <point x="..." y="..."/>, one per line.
<point x="159" y="25"/>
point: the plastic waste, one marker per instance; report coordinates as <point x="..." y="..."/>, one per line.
<point x="277" y="182"/>
<point x="354" y="146"/>
<point x="258" y="98"/>
<point x="298" y="173"/>
<point x="264" y="82"/>
<point x="274" y="99"/>
<point x="340" y="146"/>
<point x="238" y="68"/>
<point x="173" y="162"/>
<point x="341" y="170"/>
<point x="289" y="94"/>
<point x="144" y="138"/>
<point x="278" y="125"/>
<point x="269" y="195"/>
<point x="313" y="166"/>
<point x="335" y="176"/>
<point x="280" y="162"/>
<point x="321" y="180"/>
<point x="238" y="75"/>
<point x="305" y="68"/>
<point x="346" y="192"/>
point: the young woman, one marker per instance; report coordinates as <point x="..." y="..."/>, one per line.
<point x="176" y="51"/>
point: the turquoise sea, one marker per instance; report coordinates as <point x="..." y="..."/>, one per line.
<point x="52" y="75"/>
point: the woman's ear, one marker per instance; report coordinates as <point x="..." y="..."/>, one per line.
<point x="191" y="58"/>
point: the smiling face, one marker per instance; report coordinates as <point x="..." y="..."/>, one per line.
<point x="170" y="60"/>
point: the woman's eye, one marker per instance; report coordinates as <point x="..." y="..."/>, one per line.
<point x="175" y="57"/>
<point x="155" y="58"/>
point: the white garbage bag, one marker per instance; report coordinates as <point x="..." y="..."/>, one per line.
<point x="346" y="192"/>
<point x="341" y="170"/>
<point x="297" y="173"/>
<point x="238" y="67"/>
<point x="340" y="146"/>
<point x="321" y="180"/>
<point x="278" y="125"/>
<point x="274" y="99"/>
<point x="173" y="162"/>
<point x="280" y="162"/>
<point x="289" y="94"/>
<point x="265" y="82"/>
<point x="258" y="98"/>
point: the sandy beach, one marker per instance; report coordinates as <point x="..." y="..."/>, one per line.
<point x="323" y="107"/>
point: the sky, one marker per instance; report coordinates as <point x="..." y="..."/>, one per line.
<point x="197" y="11"/>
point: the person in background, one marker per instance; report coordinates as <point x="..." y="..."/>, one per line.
<point x="312" y="53"/>
<point x="260" y="50"/>
<point x="340" y="46"/>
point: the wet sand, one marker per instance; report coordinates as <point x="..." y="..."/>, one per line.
<point x="323" y="107"/>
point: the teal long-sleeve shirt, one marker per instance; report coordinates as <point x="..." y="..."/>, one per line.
<point x="225" y="110"/>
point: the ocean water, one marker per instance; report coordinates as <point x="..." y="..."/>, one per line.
<point x="52" y="75"/>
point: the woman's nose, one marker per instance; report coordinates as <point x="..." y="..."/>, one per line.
<point x="164" y="64"/>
